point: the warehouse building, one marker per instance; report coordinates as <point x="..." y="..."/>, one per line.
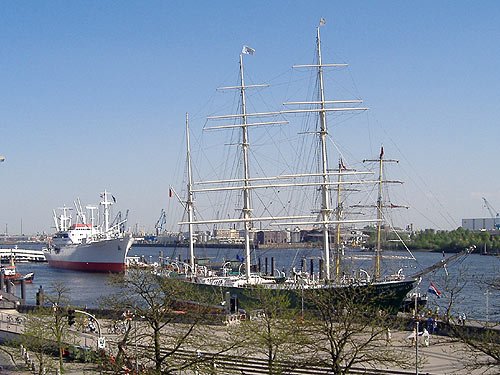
<point x="484" y="224"/>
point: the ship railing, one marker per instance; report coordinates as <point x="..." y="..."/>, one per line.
<point x="367" y="277"/>
<point x="396" y="277"/>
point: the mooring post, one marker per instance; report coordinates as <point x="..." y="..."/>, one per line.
<point x="23" y="291"/>
<point x="39" y="297"/>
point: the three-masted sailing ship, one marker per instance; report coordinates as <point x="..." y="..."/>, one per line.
<point x="388" y="291"/>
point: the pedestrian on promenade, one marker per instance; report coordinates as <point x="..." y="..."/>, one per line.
<point x="413" y="337"/>
<point x="430" y="324"/>
<point x="426" y="337"/>
<point x="388" y="336"/>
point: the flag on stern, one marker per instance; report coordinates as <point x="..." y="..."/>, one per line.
<point x="433" y="290"/>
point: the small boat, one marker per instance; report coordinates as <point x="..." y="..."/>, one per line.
<point x="10" y="274"/>
<point x="28" y="278"/>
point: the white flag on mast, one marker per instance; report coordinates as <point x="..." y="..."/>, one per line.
<point x="247" y="50"/>
<point x="322" y="21"/>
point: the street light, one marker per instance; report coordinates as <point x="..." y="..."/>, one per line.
<point x="415" y="316"/>
<point x="487" y="294"/>
<point x="101" y="341"/>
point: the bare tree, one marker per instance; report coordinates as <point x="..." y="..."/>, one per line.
<point x="37" y="338"/>
<point x="164" y="321"/>
<point x="483" y="345"/>
<point x="482" y="338"/>
<point x="47" y="330"/>
<point x="349" y="331"/>
<point x="273" y="331"/>
<point x="454" y="285"/>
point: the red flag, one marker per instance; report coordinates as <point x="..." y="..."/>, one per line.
<point x="381" y="152"/>
<point x="170" y="193"/>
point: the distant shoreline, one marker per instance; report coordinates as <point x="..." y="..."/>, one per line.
<point x="287" y="247"/>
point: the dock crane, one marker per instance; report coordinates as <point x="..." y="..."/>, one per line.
<point x="493" y="213"/>
<point x="160" y="223"/>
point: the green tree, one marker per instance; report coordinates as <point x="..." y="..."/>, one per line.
<point x="453" y="241"/>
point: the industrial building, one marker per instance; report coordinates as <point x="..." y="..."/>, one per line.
<point x="482" y="224"/>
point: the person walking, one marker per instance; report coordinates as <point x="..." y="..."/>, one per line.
<point x="426" y="337"/>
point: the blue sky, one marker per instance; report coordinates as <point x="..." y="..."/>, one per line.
<point x="94" y="94"/>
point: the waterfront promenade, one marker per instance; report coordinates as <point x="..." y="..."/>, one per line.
<point x="444" y="355"/>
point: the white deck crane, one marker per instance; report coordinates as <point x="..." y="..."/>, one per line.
<point x="493" y="213"/>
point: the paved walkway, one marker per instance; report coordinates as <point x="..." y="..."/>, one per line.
<point x="443" y="356"/>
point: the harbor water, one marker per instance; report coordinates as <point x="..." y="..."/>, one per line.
<point x="466" y="280"/>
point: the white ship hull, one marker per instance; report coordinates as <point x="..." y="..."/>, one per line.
<point x="99" y="256"/>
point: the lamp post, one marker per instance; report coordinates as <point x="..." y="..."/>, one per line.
<point x="416" y="333"/>
<point x="2" y="159"/>
<point x="415" y="316"/>
<point x="135" y="339"/>
<point x="487" y="294"/>
<point x="101" y="341"/>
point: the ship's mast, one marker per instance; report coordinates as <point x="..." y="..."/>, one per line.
<point x="325" y="192"/>
<point x="246" y="185"/>
<point x="322" y="109"/>
<point x="79" y="211"/>
<point x="63" y="221"/>
<point x="338" y="217"/>
<point x="379" y="214"/>
<point x="105" y="203"/>
<point x="380" y="206"/>
<point x="92" y="218"/>
<point x="246" y="174"/>
<point x="190" y="201"/>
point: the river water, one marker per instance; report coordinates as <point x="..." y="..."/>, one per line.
<point x="465" y="280"/>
